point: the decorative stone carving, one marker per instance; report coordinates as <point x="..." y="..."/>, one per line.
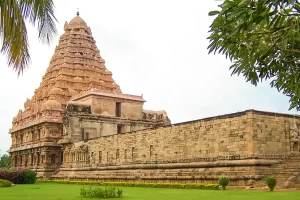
<point x="294" y="138"/>
<point x="64" y="77"/>
<point x="292" y="181"/>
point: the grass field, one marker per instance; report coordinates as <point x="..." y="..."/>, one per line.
<point x="52" y="191"/>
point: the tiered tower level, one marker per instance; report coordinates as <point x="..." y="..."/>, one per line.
<point x="76" y="70"/>
<point x="76" y="66"/>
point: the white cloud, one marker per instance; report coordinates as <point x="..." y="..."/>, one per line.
<point x="156" y="48"/>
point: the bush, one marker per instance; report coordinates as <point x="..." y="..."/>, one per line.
<point x="223" y="181"/>
<point x="16" y="176"/>
<point x="271" y="182"/>
<point x="29" y="177"/>
<point x="5" y="183"/>
<point x="141" y="184"/>
<point x="110" y="192"/>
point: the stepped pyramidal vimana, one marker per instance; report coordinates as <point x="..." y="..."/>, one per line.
<point x="80" y="125"/>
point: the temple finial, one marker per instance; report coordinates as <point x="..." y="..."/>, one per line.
<point x="77" y="12"/>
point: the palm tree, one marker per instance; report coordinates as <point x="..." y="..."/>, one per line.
<point x="13" y="33"/>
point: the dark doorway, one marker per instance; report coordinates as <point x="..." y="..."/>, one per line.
<point x="118" y="109"/>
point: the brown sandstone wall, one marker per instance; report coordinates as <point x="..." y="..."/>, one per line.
<point x="243" y="146"/>
<point x="213" y="138"/>
<point x="104" y="106"/>
<point x="132" y="110"/>
<point x="107" y="106"/>
<point x="271" y="135"/>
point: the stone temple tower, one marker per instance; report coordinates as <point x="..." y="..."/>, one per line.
<point x="76" y="76"/>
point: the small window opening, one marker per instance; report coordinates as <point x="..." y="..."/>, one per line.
<point x="118" y="109"/>
<point x="82" y="133"/>
<point x="120" y="128"/>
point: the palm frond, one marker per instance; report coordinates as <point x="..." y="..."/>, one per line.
<point x="42" y="12"/>
<point x="13" y="32"/>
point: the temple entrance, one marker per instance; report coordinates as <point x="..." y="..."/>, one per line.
<point x="53" y="159"/>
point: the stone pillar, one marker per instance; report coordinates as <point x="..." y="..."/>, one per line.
<point x="38" y="134"/>
<point x="65" y="157"/>
<point x="17" y="160"/>
<point x="87" y="160"/>
<point x="85" y="157"/>
<point x="26" y="159"/>
<point x="30" y="160"/>
<point x="34" y="159"/>
<point x="35" y="133"/>
<point x="20" y="160"/>
<point x="46" y="132"/>
<point x="37" y="158"/>
<point x="47" y="158"/>
<point x="76" y="156"/>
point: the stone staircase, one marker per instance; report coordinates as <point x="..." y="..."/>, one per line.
<point x="53" y="173"/>
<point x="287" y="172"/>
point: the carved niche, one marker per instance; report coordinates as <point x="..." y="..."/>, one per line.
<point x="294" y="138"/>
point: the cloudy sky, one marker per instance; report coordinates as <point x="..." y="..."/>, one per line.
<point x="155" y="48"/>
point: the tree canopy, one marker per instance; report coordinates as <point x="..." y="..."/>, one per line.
<point x="13" y="32"/>
<point x="262" y="40"/>
<point x="5" y="161"/>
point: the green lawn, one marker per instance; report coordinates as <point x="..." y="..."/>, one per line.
<point x="52" y="191"/>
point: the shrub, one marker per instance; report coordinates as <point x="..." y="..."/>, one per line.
<point x="29" y="177"/>
<point x="16" y="176"/>
<point x="271" y="182"/>
<point x="141" y="184"/>
<point x="223" y="181"/>
<point x="108" y="192"/>
<point x="5" y="183"/>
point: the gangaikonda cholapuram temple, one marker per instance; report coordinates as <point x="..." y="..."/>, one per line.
<point x="80" y="125"/>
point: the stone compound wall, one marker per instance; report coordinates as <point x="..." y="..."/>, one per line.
<point x="246" y="145"/>
<point x="185" y="141"/>
<point x="271" y="134"/>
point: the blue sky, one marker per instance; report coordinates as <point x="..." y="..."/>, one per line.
<point x="155" y="48"/>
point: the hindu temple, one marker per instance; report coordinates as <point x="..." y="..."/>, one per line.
<point x="80" y="125"/>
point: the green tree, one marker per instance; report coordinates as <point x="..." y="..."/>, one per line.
<point x="262" y="40"/>
<point x="13" y="33"/>
<point x="5" y="161"/>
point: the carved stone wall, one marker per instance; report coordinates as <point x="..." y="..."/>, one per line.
<point x="246" y="145"/>
<point x="82" y="126"/>
<point x="132" y="110"/>
<point x="35" y="136"/>
<point x="129" y="109"/>
<point x="213" y="138"/>
<point x="37" y="158"/>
